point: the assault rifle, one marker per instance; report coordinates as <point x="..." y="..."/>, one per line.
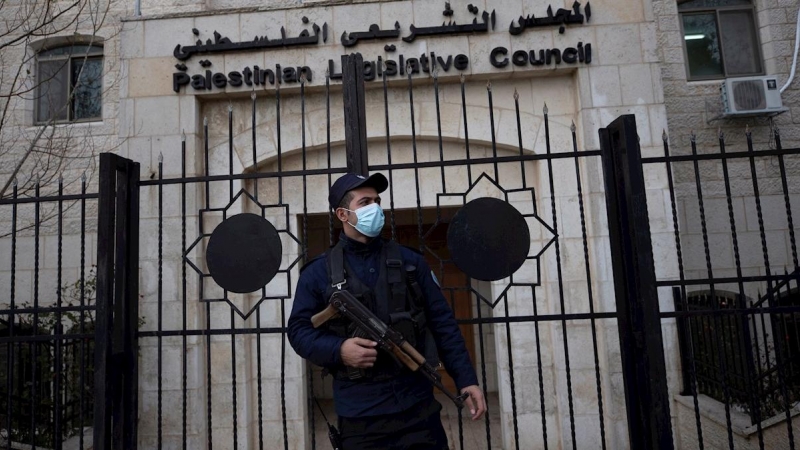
<point x="345" y="304"/>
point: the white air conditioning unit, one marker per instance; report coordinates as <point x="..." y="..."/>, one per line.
<point x="751" y="96"/>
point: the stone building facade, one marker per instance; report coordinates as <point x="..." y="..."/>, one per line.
<point x="167" y="74"/>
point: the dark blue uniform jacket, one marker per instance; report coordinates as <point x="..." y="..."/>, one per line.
<point x="369" y="398"/>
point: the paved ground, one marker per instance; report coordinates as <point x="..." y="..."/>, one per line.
<point x="474" y="433"/>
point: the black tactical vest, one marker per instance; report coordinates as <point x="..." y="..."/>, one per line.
<point x="397" y="300"/>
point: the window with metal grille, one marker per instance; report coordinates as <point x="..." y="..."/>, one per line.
<point x="720" y="39"/>
<point x="25" y="386"/>
<point x="746" y="358"/>
<point x="719" y="346"/>
<point x="788" y="331"/>
<point x="69" y="84"/>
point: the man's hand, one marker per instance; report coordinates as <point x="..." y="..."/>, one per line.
<point x="359" y="353"/>
<point x="475" y="402"/>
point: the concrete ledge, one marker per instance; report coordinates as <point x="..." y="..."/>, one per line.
<point x="714" y="410"/>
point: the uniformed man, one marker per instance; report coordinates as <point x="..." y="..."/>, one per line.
<point x="380" y="405"/>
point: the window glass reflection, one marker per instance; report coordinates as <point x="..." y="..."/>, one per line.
<point x="702" y="45"/>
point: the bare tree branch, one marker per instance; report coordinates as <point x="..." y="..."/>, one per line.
<point x="45" y="151"/>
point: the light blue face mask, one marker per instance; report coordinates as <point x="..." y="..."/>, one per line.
<point x="370" y="219"/>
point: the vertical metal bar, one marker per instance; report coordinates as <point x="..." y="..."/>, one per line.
<point x="117" y="323"/>
<point x="519" y="137"/>
<point x="184" y="362"/>
<point x="328" y="147"/>
<point x="757" y="349"/>
<point x="35" y="344"/>
<point x="230" y="148"/>
<point x="234" y="416"/>
<point x="435" y="73"/>
<point x="768" y="373"/>
<point x="684" y="340"/>
<point x="641" y="343"/>
<point x="58" y="329"/>
<point x="209" y="417"/>
<point x="283" y="375"/>
<point x="160" y="295"/>
<point x="263" y="294"/>
<point x="533" y="288"/>
<point x="12" y="298"/>
<point x="710" y="363"/>
<point x="416" y="159"/>
<point x="253" y="139"/>
<point x="104" y="381"/>
<point x="716" y="338"/>
<point x="755" y="400"/>
<point x="304" y="157"/>
<point x="259" y="386"/>
<point x="491" y="129"/>
<point x="283" y="302"/>
<point x="768" y="270"/>
<point x="589" y="287"/>
<point x="786" y="200"/>
<point x="560" y="278"/>
<point x="83" y="362"/>
<point x="794" y="369"/>
<point x="461" y="428"/>
<point x="539" y="368"/>
<point x="466" y="128"/>
<point x="207" y="164"/>
<point x="486" y="419"/>
<point x="280" y="149"/>
<point x="355" y="121"/>
<point x="130" y="389"/>
<point x="305" y="229"/>
<point x="510" y="355"/>
<point x="682" y="293"/>
<point x="310" y="405"/>
<point x="392" y="218"/>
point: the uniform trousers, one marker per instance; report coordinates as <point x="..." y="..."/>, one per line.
<point x="417" y="428"/>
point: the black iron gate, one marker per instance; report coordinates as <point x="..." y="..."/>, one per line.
<point x="194" y="357"/>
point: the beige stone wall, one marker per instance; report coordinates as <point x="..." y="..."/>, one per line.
<point x="686" y="101"/>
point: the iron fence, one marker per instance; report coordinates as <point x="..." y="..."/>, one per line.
<point x="47" y="333"/>
<point x="282" y="190"/>
<point x="734" y="290"/>
<point x="208" y="362"/>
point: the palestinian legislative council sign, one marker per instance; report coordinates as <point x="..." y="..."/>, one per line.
<point x="400" y="65"/>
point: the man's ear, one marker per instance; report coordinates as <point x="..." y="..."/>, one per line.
<point x="341" y="214"/>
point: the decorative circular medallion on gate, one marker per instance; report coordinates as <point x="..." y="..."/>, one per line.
<point x="488" y="239"/>
<point x="244" y="253"/>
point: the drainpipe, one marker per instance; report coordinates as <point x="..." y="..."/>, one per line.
<point x="794" y="59"/>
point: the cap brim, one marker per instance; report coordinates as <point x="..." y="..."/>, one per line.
<point x="376" y="181"/>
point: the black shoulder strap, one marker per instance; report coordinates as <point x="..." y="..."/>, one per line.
<point x="395" y="277"/>
<point x="336" y="266"/>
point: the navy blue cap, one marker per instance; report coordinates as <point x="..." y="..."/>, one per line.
<point x="350" y="181"/>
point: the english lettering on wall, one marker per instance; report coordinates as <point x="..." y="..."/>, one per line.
<point x="387" y="65"/>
